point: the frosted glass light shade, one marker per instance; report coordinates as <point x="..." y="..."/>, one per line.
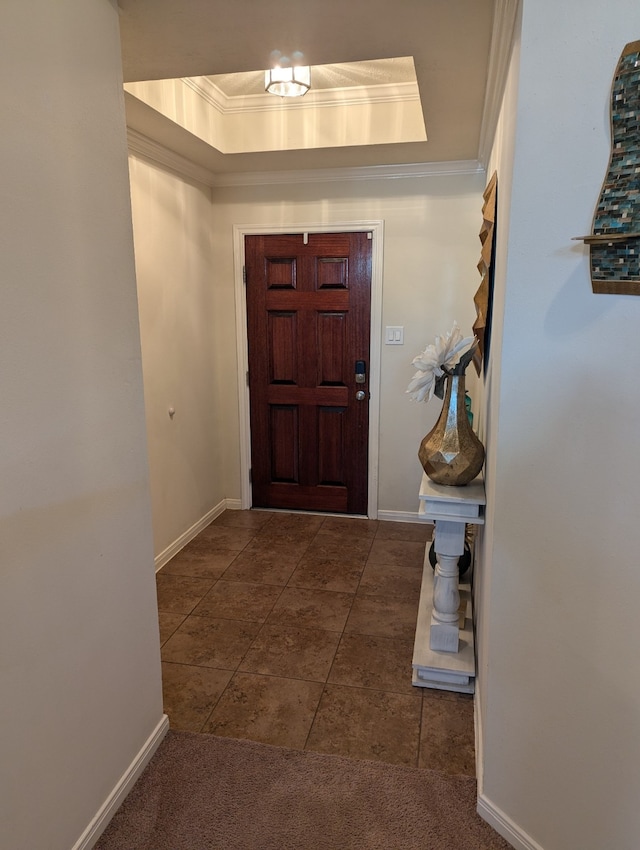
<point x="293" y="81"/>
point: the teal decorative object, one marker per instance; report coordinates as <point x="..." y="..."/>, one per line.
<point x="615" y="237"/>
<point x="467" y="404"/>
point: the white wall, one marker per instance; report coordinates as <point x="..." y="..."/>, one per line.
<point x="501" y="162"/>
<point x="80" y="671"/>
<point x="559" y="640"/>
<point x="431" y="249"/>
<point x="178" y="327"/>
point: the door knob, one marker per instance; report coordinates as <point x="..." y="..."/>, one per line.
<point x="361" y="395"/>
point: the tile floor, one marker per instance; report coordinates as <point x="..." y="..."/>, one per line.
<point x="297" y="630"/>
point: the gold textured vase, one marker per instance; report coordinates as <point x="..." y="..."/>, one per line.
<point x="451" y="453"/>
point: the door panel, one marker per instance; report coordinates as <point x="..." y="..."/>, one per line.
<point x="284" y="448"/>
<point x="283" y="341"/>
<point x="308" y="315"/>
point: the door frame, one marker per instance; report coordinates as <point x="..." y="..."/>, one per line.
<point x="376" y="228"/>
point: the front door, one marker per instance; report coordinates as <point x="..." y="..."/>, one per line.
<point x="308" y="317"/>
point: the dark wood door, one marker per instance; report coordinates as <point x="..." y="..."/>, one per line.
<point x="308" y="314"/>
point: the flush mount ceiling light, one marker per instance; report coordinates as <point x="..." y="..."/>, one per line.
<point x="287" y="77"/>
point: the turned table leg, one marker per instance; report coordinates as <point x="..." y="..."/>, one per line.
<point x="448" y="546"/>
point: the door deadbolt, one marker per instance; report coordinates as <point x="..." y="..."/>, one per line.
<point x="361" y="372"/>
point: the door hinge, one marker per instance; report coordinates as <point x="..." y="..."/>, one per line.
<point x="250" y="476"/>
<point x="247" y="377"/>
<point x="244" y="275"/>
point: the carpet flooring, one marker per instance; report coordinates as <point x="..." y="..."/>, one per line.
<point x="202" y="792"/>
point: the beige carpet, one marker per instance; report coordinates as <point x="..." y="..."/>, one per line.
<point x="202" y="792"/>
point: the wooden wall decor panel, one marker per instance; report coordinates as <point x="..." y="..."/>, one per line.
<point x="284" y="443"/>
<point x="483" y="299"/>
<point x="283" y="333"/>
<point x="331" y="329"/>
<point x="332" y="272"/>
<point x="331" y="468"/>
<point x="280" y="272"/>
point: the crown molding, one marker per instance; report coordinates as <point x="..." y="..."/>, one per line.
<point x="504" y="20"/>
<point x="314" y="99"/>
<point x="148" y="148"/>
<point x="329" y="175"/>
<point x="208" y="91"/>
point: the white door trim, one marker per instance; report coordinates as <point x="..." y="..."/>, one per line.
<point x="376" y="228"/>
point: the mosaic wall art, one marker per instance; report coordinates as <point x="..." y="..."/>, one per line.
<point x="615" y="238"/>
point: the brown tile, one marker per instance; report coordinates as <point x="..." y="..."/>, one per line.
<point x="179" y="594"/>
<point x="266" y="708"/>
<point x="397" y="553"/>
<point x="338" y="547"/>
<point x="238" y="601"/>
<point x="374" y="615"/>
<point x="390" y="581"/>
<point x="350" y="526"/>
<point x="273" y="548"/>
<point x="311" y="609"/>
<point x="447" y="735"/>
<point x="168" y="624"/>
<point x="292" y="652"/>
<point x="272" y="564"/>
<point x="283" y="538"/>
<point x="317" y="573"/>
<point x="410" y="531"/>
<point x="210" y="642"/>
<point x="367" y="724"/>
<point x="366" y="661"/>
<point x="302" y="525"/>
<point x="190" y="693"/>
<point x="224" y="537"/>
<point x="253" y="520"/>
<point x="200" y="564"/>
<point x="201" y="548"/>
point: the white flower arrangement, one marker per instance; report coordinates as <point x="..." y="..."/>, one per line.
<point x="438" y="361"/>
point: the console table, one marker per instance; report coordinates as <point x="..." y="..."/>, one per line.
<point x="443" y="654"/>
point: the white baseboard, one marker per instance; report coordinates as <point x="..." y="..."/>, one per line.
<point x="173" y="549"/>
<point x="487" y="810"/>
<point x="477" y="727"/>
<point x="233" y="504"/>
<point x="115" y="799"/>
<point x="504" y="826"/>
<point x="400" y="516"/>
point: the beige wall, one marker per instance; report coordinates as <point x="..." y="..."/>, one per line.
<point x="80" y="668"/>
<point x="185" y="268"/>
<point x="559" y="660"/>
<point x="314" y="122"/>
<point x="179" y="324"/>
<point x="501" y="162"/>
<point x="431" y="249"/>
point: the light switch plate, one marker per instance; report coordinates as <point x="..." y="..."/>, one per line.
<point x="394" y="335"/>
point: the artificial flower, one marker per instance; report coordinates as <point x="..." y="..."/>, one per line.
<point x="439" y="360"/>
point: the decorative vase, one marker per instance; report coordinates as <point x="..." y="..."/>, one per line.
<point x="451" y="453"/>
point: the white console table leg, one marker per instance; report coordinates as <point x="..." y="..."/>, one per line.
<point x="449" y="546"/>
<point x="443" y="652"/>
